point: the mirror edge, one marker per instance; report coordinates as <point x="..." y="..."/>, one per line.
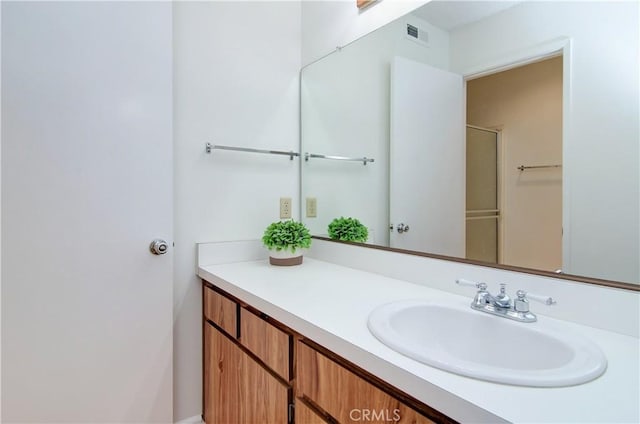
<point x="548" y="274"/>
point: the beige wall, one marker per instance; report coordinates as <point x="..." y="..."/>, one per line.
<point x="526" y="104"/>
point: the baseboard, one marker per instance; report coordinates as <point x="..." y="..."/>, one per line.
<point x="196" y="419"/>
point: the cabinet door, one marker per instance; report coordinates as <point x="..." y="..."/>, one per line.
<point x="305" y="415"/>
<point x="237" y="389"/>
<point x="344" y="395"/>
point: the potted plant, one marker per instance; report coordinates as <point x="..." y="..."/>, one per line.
<point x="348" y="229"/>
<point x="286" y="241"/>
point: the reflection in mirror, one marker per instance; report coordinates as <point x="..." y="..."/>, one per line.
<point x="503" y="132"/>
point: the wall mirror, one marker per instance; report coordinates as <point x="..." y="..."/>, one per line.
<point x="505" y="133"/>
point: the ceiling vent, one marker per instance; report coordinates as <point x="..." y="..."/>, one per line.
<point x="417" y="34"/>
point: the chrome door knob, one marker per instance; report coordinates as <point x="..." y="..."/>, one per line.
<point x="158" y="247"/>
<point x="402" y="228"/>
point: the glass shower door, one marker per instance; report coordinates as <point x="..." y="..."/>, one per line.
<point x="482" y="196"/>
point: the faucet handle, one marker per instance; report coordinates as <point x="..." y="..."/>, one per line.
<point x="547" y="300"/>
<point x="463" y="282"/>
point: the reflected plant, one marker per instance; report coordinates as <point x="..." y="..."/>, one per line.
<point x="348" y="229"/>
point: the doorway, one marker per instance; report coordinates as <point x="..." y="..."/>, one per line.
<point x="525" y="103"/>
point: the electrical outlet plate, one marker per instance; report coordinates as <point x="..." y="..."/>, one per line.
<point x="285" y="207"/>
<point x="312" y="207"/>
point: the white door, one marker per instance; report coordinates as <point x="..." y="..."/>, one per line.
<point x="86" y="185"/>
<point x="427" y="159"/>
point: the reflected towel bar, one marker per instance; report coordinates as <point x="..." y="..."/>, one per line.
<point x="522" y="167"/>
<point x="476" y="218"/>
<point x="316" y="156"/>
<point x="483" y="210"/>
<point x="210" y="147"/>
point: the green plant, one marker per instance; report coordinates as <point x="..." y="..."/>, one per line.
<point x="286" y="235"/>
<point x="348" y="229"/>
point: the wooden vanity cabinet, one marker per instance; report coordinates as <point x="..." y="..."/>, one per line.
<point x="237" y="388"/>
<point x="256" y="370"/>
<point x="344" y="395"/>
<point x="305" y="415"/>
<point x="220" y="310"/>
<point x="270" y="344"/>
<point x="240" y="384"/>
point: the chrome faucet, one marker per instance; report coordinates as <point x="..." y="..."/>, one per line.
<point x="502" y="305"/>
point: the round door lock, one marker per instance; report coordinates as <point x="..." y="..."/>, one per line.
<point x="403" y="228"/>
<point x="158" y="247"/>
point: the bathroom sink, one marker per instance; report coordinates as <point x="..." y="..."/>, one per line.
<point x="458" y="339"/>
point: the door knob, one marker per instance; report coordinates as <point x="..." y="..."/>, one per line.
<point x="158" y="247"/>
<point x="402" y="228"/>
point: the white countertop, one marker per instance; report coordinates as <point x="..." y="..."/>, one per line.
<point x="330" y="304"/>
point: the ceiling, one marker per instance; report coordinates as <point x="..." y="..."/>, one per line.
<point x="451" y="14"/>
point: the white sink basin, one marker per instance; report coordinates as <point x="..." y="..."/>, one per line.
<point x="475" y="344"/>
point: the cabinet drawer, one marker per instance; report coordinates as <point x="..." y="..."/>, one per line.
<point x="221" y="311"/>
<point x="344" y="395"/>
<point x="266" y="341"/>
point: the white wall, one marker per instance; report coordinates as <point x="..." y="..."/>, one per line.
<point x="601" y="179"/>
<point x="236" y="67"/>
<point x="329" y="24"/>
